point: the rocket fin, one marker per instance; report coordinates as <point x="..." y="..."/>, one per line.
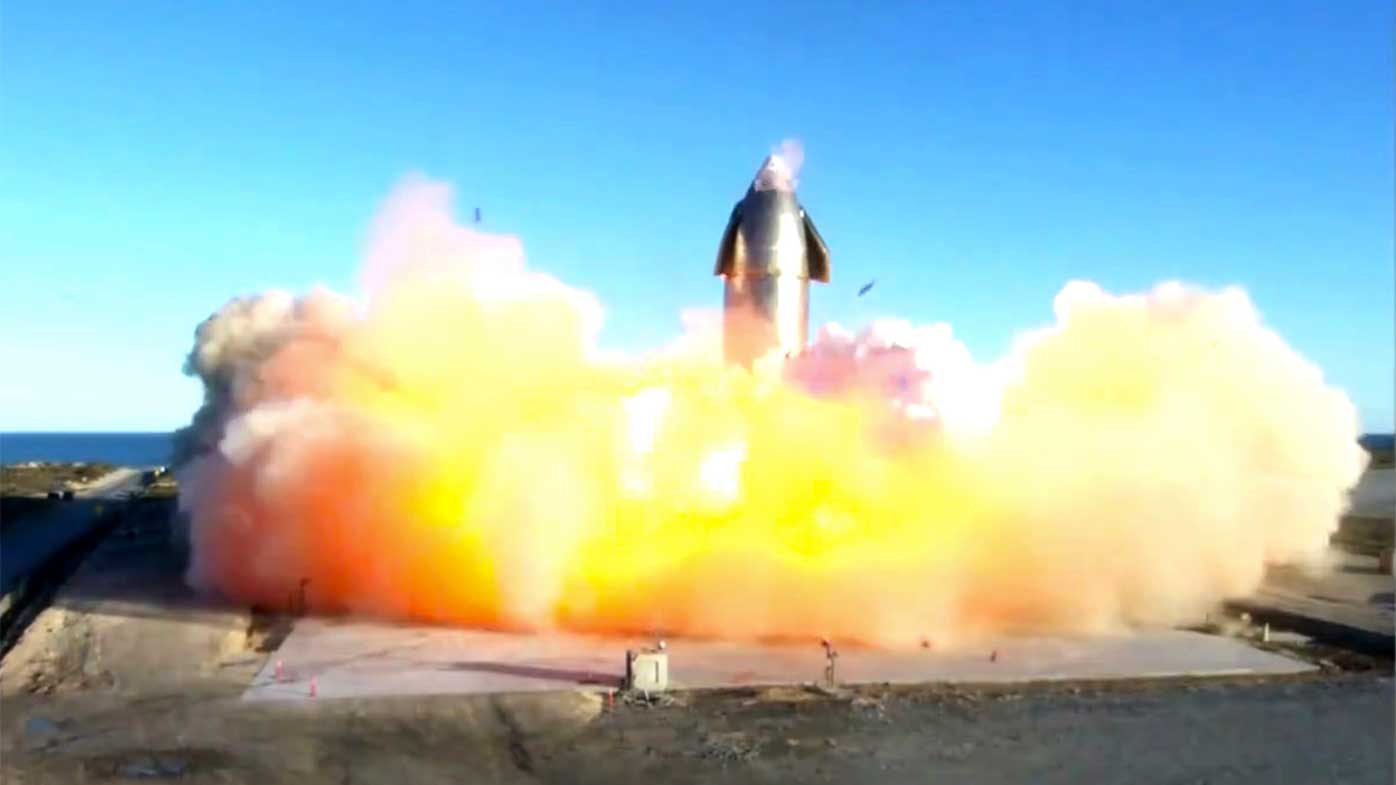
<point x="816" y="250"/>
<point x="727" y="248"/>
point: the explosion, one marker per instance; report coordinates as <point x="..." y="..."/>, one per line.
<point x="456" y="447"/>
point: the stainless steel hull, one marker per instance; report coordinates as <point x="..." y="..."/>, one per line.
<point x="763" y="314"/>
<point x="768" y="255"/>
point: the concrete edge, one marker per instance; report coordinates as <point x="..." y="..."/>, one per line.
<point x="1324" y="630"/>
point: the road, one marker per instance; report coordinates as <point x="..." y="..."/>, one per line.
<point x="114" y="485"/>
<point x="32" y="540"/>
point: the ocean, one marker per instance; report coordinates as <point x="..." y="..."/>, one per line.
<point x="153" y="449"/>
<point x="123" y="449"/>
<point x="1378" y="442"/>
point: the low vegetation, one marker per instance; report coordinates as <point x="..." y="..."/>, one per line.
<point x="35" y="478"/>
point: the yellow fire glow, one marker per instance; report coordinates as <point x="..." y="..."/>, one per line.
<point x="457" y="449"/>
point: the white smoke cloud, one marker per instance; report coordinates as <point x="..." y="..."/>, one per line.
<point x="792" y="152"/>
<point x="456" y="448"/>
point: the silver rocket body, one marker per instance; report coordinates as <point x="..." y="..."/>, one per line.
<point x="768" y="255"/>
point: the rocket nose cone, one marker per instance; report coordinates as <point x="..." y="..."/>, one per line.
<point x="774" y="175"/>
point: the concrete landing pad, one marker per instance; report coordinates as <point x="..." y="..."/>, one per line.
<point x="360" y="659"/>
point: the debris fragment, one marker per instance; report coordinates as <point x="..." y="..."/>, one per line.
<point x="148" y="767"/>
<point x="870" y="708"/>
<point x="728" y="747"/>
<point x="646" y="699"/>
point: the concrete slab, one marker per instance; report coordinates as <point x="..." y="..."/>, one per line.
<point x="360" y="658"/>
<point x="1351" y="606"/>
<point x="1375" y="494"/>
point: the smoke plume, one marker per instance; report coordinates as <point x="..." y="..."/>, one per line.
<point x="453" y="446"/>
<point x="792" y="152"/>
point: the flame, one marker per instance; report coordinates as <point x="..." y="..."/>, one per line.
<point x="457" y="448"/>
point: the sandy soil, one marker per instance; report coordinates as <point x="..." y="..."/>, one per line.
<point x="1298" y="730"/>
<point x="125" y="622"/>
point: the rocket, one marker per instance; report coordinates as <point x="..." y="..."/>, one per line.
<point x="769" y="253"/>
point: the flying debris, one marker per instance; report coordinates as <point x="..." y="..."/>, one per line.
<point x="769" y="253"/>
<point x="867" y="287"/>
<point x="477" y="215"/>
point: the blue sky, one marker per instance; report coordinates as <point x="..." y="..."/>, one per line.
<point x="160" y="157"/>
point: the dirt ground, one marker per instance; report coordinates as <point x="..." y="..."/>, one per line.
<point x="126" y="622"/>
<point x="1302" y="730"/>
<point x="127" y="677"/>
